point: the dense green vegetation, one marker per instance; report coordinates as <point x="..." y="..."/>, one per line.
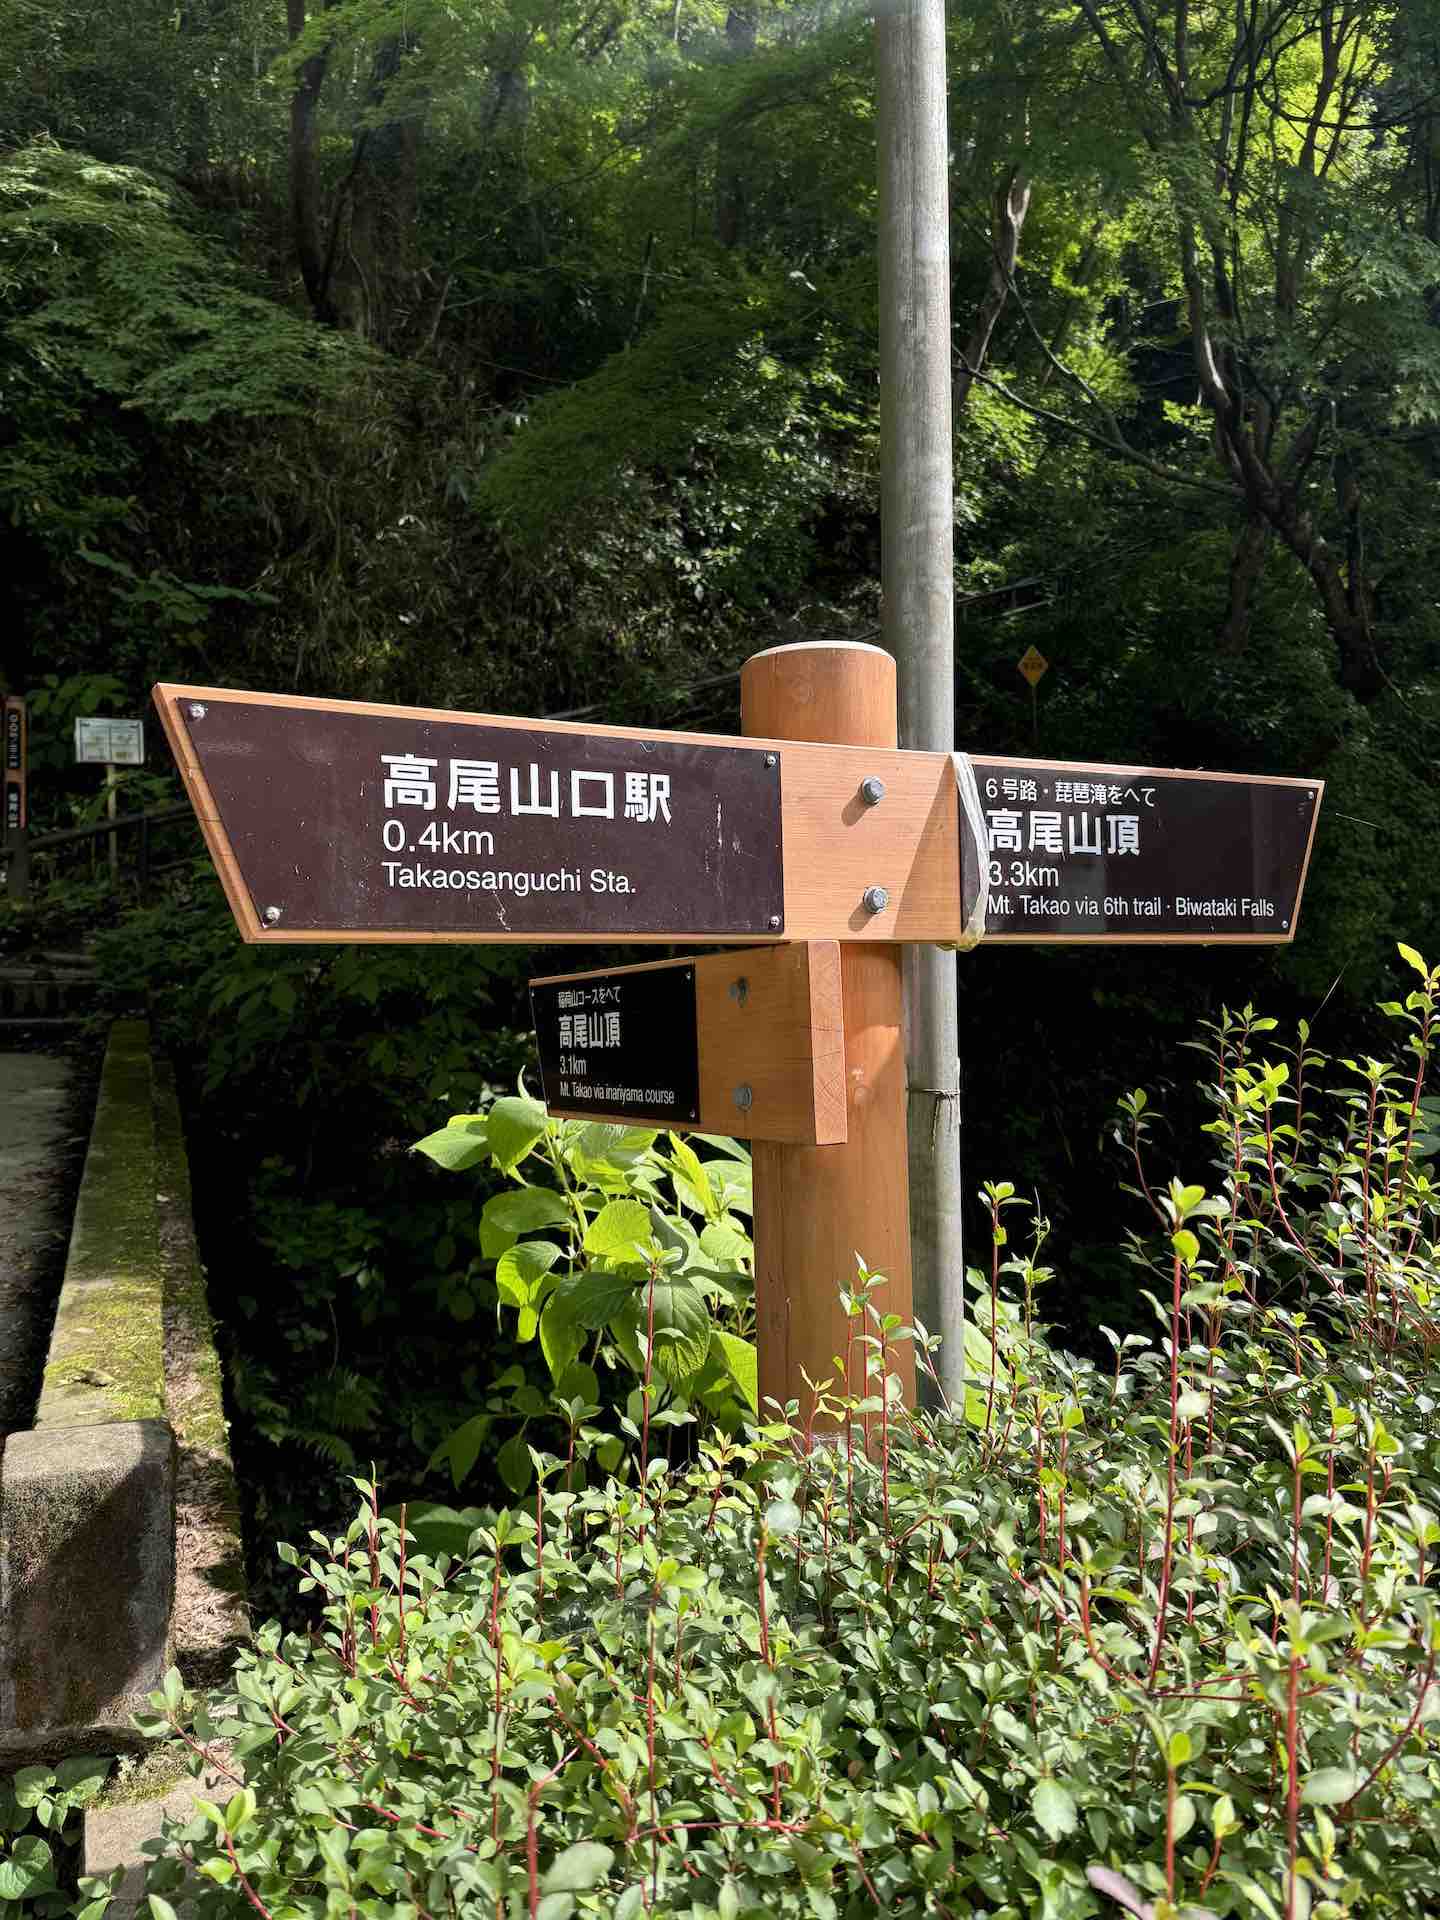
<point x="521" y="356"/>
<point x="1156" y="1635"/>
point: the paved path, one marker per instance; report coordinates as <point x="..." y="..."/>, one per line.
<point x="37" y="1148"/>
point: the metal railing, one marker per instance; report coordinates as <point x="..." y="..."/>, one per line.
<point x="20" y="848"/>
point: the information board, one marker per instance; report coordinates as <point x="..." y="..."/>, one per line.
<point x="624" y="1043"/>
<point x="110" y="743"/>
<point x="1080" y="851"/>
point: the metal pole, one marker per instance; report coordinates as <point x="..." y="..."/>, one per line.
<point x="917" y="578"/>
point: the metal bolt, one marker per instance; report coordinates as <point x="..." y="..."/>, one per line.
<point x="744" y="1097"/>
<point x="772" y="759"/>
<point x="197" y="712"/>
<point x="872" y="790"/>
<point x="775" y="921"/>
<point x="272" y="914"/>
<point x="875" y="899"/>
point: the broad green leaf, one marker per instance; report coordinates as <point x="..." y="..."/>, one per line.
<point x="724" y="1245"/>
<point x="453" y="1148"/>
<point x="679" y="1320"/>
<point x="691" y="1185"/>
<point x="515" y="1124"/>
<point x="1054" y="1808"/>
<point x="524" y="1209"/>
<point x="578" y="1868"/>
<point x="27" y="1869"/>
<point x="1329" y="1786"/>
<point x="782" y="1516"/>
<point x="741" y="1363"/>
<point x="560" y="1340"/>
<point x="593" y="1298"/>
<point x="461" y="1448"/>
<point x="515" y="1464"/>
<point x="1412" y="959"/>
<point x="621" y="1229"/>
<point x="520" y="1270"/>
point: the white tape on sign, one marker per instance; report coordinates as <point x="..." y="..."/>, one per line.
<point x="974" y="931"/>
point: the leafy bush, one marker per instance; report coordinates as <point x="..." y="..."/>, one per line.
<point x="1159" y="1638"/>
<point x="39" y="1834"/>
<point x="614" y="1252"/>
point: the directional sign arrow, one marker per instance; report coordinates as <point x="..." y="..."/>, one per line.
<point x="345" y="821"/>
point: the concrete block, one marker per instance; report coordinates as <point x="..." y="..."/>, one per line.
<point x="118" y="1836"/>
<point x="106" y="1360"/>
<point x="87" y="1572"/>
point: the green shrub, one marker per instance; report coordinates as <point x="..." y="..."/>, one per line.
<point x="40" y="1816"/>
<point x="615" y="1251"/>
<point x="1158" y="1639"/>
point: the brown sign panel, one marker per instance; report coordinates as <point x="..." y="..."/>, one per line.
<point x="330" y="821"/>
<point x="750" y="1044"/>
<point x="1082" y="852"/>
<point x="13" y="756"/>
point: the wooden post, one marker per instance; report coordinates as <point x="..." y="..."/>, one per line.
<point x="110" y="779"/>
<point x="816" y="1208"/>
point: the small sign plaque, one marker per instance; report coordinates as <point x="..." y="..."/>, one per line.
<point x="623" y="1044"/>
<point x="1131" y="854"/>
<point x="110" y="743"/>
<point x="1033" y="665"/>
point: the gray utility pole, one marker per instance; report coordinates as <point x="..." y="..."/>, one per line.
<point x="917" y="579"/>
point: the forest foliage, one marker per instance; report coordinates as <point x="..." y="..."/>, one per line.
<point x="520" y="355"/>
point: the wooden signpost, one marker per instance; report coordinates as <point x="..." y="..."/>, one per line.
<point x="14" y="755"/>
<point x="812" y="844"/>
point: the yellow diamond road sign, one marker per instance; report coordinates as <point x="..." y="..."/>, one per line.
<point x="1033" y="665"/>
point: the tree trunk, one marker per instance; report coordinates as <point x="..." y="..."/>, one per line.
<point x="740" y="25"/>
<point x="1007" y="220"/>
<point x="373" y="245"/>
<point x="305" y="170"/>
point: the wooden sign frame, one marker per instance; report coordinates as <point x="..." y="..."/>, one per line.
<point x="770" y="1027"/>
<point x="855" y="868"/>
<point x="835" y="845"/>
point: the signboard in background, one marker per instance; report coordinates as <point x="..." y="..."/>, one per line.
<point x="103" y="742"/>
<point x="1080" y="852"/>
<point x="14" y="756"/>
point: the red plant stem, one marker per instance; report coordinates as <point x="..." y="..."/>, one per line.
<point x="994" y="1309"/>
<point x="645" y="1389"/>
<point x="1168" y="1550"/>
<point x="1419" y="1088"/>
<point x="245" y="1887"/>
<point x="650" y="1746"/>
<point x="1395" y="1745"/>
<point x="496" y="1642"/>
<point x="373" y="1543"/>
<point x="1329" y="1517"/>
<point x="884" y="1433"/>
<point x="1292" y="1785"/>
<point x="400" y="1581"/>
